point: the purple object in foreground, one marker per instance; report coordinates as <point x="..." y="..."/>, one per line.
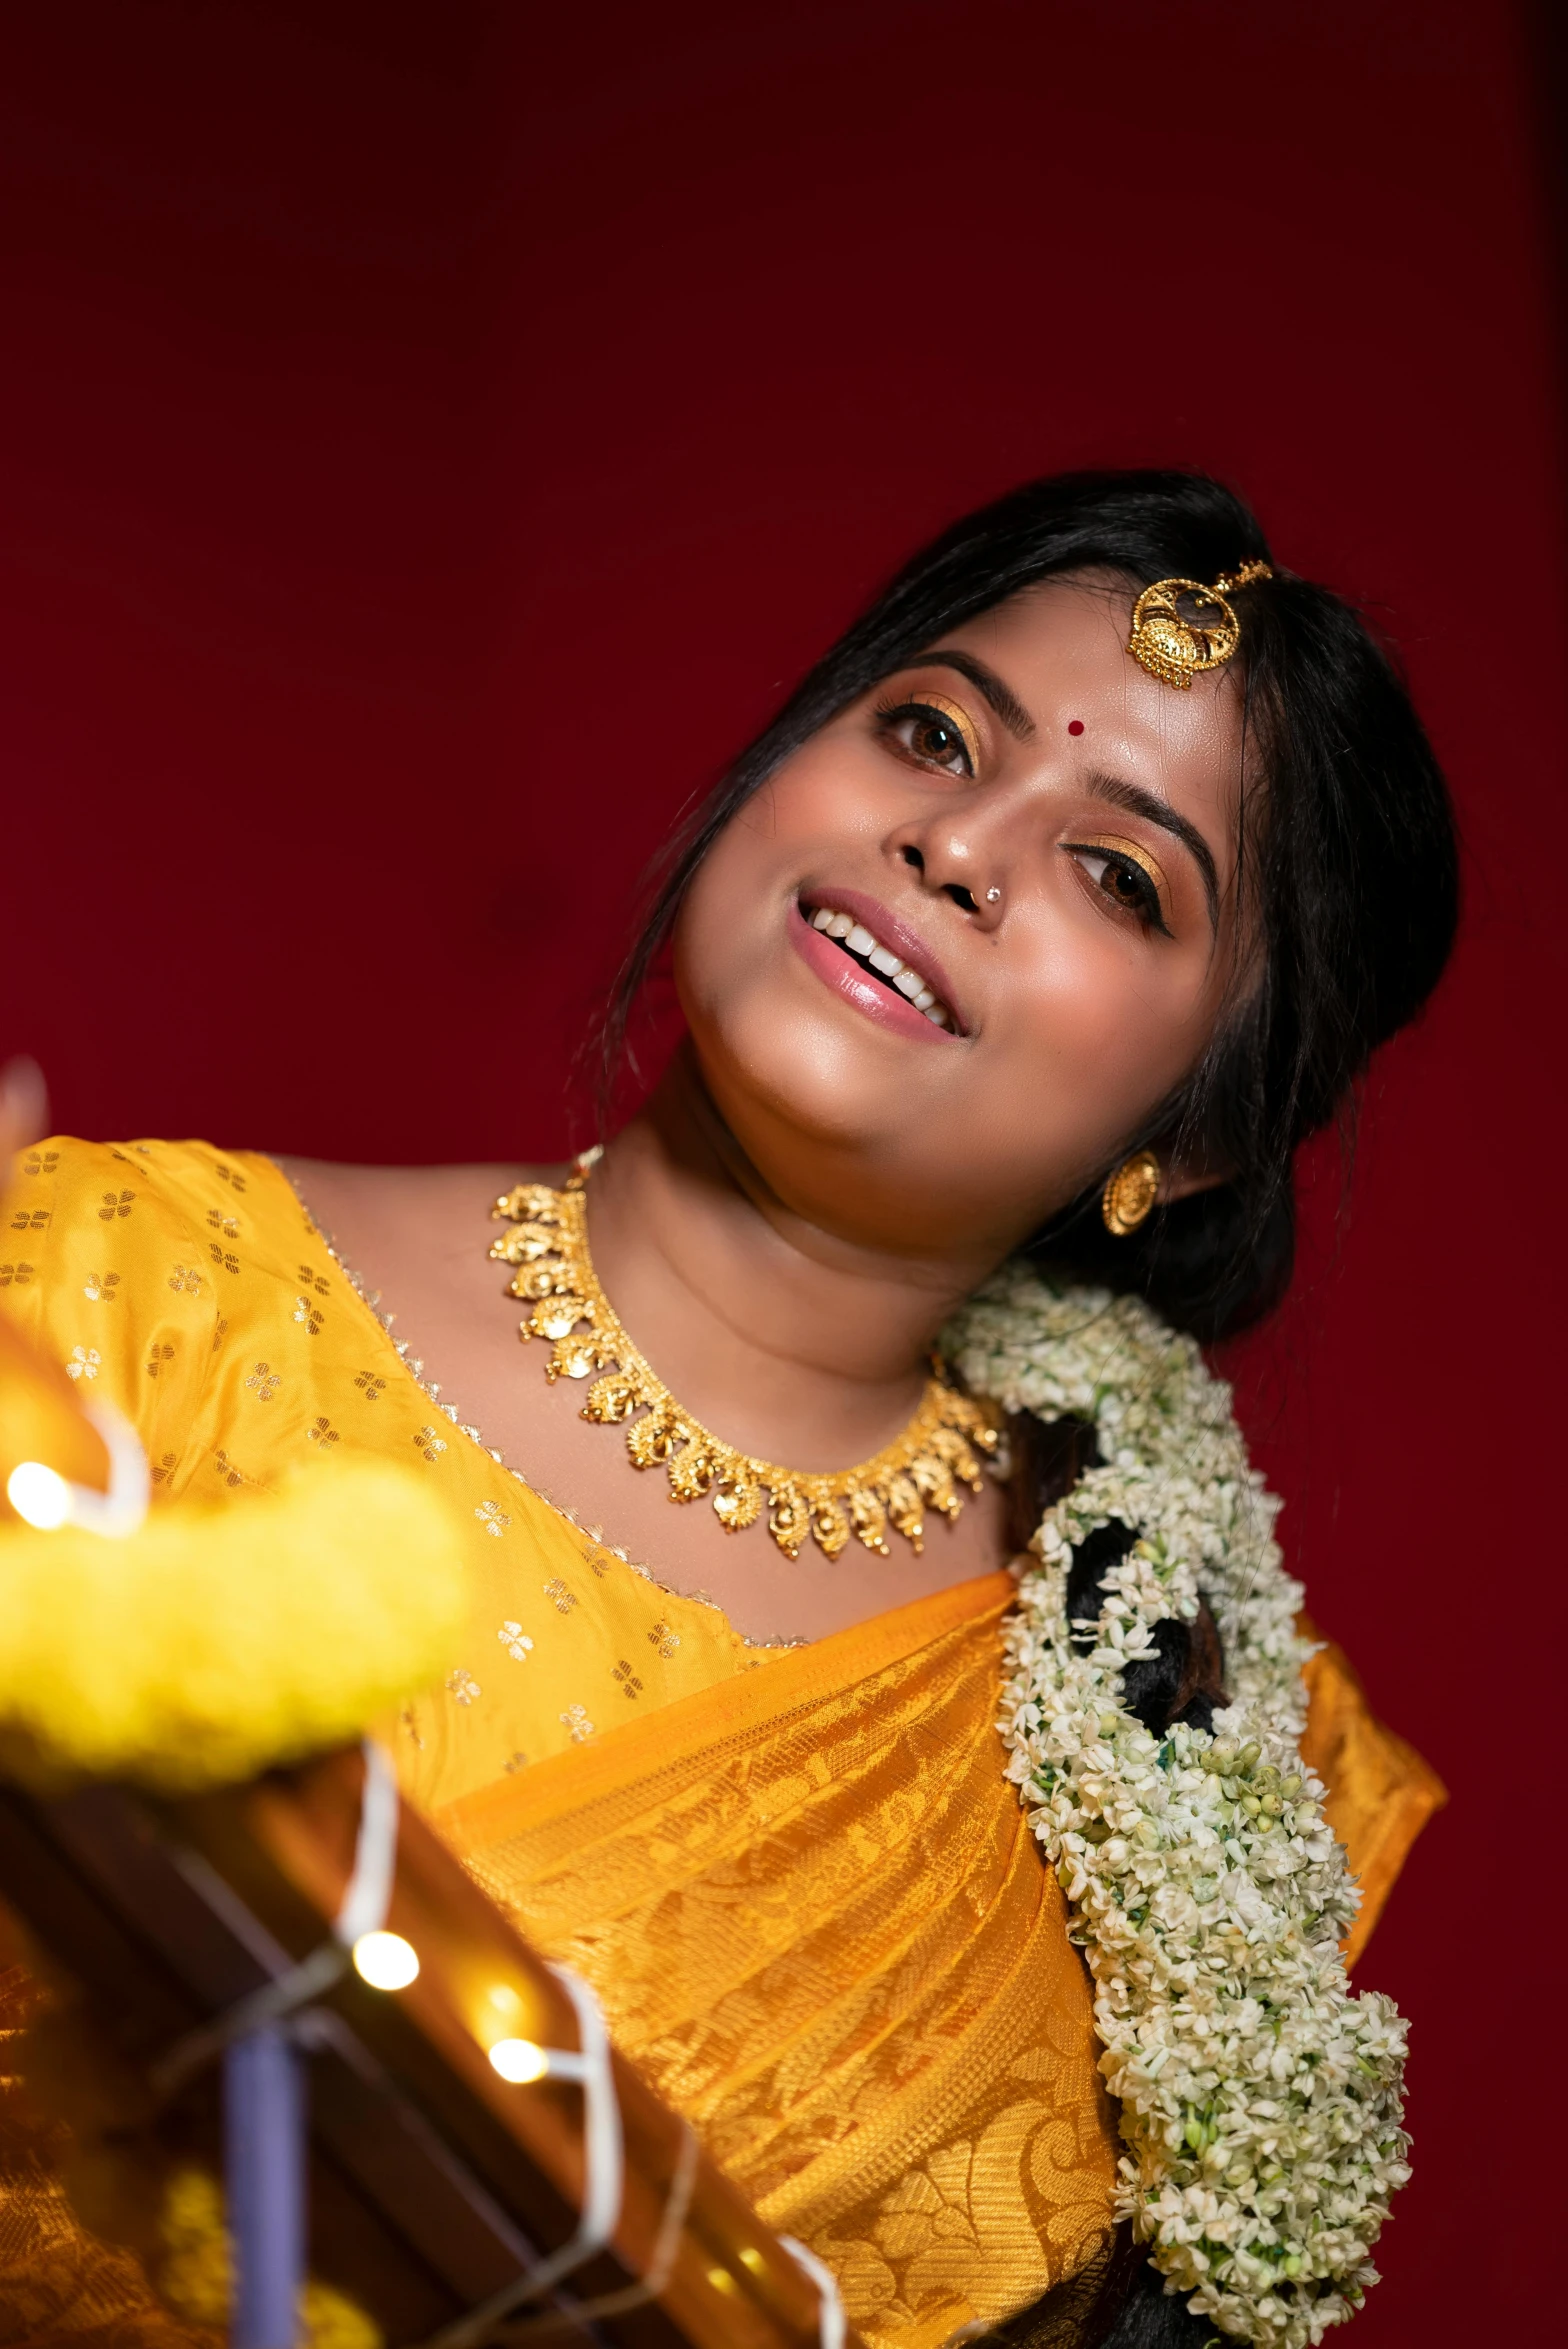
<point x="264" y="2157"/>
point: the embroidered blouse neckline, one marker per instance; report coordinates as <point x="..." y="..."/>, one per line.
<point x="413" y="1368"/>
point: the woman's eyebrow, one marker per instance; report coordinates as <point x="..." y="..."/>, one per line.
<point x="996" y="689"/>
<point x="1155" y="810"/>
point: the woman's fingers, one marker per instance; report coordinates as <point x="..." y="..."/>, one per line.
<point x="24" y="1109"/>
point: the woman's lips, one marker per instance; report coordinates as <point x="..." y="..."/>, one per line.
<point x="846" y="978"/>
<point x="893" y="932"/>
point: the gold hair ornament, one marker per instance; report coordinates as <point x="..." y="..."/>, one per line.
<point x="919" y="1469"/>
<point x="1175" y="648"/>
<point x="1129" y="1196"/>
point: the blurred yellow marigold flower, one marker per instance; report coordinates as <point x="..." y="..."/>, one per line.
<point x="220" y="1638"/>
<point x="196" y="2273"/>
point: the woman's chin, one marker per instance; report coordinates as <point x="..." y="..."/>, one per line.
<point x="806" y="1074"/>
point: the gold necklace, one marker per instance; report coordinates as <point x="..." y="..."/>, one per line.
<point x="919" y="1469"/>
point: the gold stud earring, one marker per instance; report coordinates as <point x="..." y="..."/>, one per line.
<point x="1129" y="1195"/>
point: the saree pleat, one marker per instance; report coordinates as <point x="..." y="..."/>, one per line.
<point x="820" y="1926"/>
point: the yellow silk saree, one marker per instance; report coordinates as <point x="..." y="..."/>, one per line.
<point x="798" y="1879"/>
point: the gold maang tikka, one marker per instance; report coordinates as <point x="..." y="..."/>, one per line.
<point x="1176" y="647"/>
<point x="920" y="1469"/>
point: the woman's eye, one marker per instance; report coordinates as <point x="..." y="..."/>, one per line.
<point x="936" y="737"/>
<point x="1125" y="880"/>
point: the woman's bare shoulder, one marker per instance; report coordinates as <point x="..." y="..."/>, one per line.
<point x="391" y="1188"/>
<point x="381" y="1218"/>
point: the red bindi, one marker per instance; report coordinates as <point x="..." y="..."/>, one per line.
<point x="1075" y="725"/>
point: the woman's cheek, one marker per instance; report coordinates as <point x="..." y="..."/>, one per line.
<point x="761" y="1037"/>
<point x="1076" y="999"/>
<point x="1107" y="1036"/>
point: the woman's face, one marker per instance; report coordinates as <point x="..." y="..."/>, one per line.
<point x="1040" y="838"/>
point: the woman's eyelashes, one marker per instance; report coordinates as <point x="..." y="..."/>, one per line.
<point x="933" y="730"/>
<point x="1126" y="876"/>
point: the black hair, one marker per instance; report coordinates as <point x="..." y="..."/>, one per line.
<point x="1348" y="860"/>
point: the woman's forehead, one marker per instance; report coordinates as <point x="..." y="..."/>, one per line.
<point x="1060" y="646"/>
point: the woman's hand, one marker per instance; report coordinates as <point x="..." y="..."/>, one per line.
<point x="24" y="1110"/>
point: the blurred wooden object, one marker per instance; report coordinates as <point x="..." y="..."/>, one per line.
<point x="434" y="2181"/>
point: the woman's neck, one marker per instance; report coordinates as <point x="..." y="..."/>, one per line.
<point x="805" y="1346"/>
<point x="779" y="1335"/>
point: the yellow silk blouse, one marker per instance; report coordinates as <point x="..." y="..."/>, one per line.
<point x="191" y="1290"/>
<point x="805" y="1892"/>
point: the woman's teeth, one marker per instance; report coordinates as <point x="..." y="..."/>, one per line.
<point x="857" y="940"/>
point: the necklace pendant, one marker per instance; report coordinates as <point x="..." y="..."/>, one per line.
<point x="537" y="1281"/>
<point x="789" y="1520"/>
<point x="903" y="1506"/>
<point x="612" y="1399"/>
<point x="829" y="1526"/>
<point x="555" y="1318"/>
<point x="868" y="1520"/>
<point x="525" y="1243"/>
<point x="934" y="1480"/>
<point x="692" y="1471"/>
<point x="528" y="1203"/>
<point x="737" y="1502"/>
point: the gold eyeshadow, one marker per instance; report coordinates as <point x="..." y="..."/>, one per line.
<point x="1117" y="843"/>
<point x="968" y="733"/>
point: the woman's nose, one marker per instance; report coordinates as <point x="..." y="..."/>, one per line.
<point x="950" y="867"/>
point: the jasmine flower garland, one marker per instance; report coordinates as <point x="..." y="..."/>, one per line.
<point x="1260" y="2101"/>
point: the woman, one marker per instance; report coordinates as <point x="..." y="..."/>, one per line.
<point x="1066" y="896"/>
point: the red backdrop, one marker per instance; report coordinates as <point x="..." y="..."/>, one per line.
<point x="430" y="438"/>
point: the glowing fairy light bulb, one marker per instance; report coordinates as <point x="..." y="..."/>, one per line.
<point x="519" y="2061"/>
<point x="39" y="1495"/>
<point x="386" y="1961"/>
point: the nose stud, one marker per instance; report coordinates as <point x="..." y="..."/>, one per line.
<point x="992" y="895"/>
